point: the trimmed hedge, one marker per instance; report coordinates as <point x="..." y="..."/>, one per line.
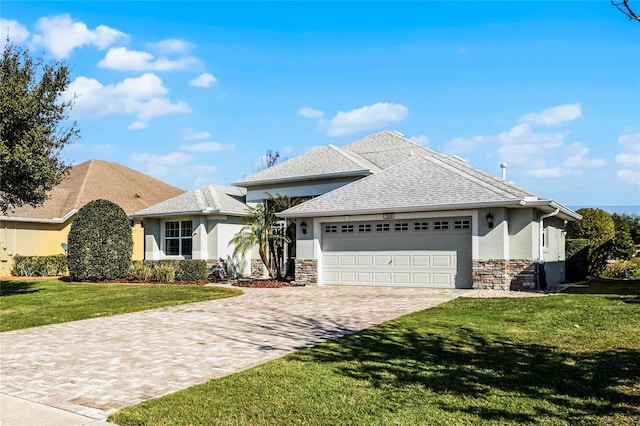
<point x="39" y="266"/>
<point x="621" y="270"/>
<point x="188" y="270"/>
<point x="100" y="242"/>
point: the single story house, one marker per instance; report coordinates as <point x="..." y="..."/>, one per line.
<point x="196" y="225"/>
<point x="41" y="231"/>
<point x="386" y="211"/>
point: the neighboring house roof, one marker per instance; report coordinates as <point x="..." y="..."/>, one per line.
<point x="422" y="183"/>
<point x="208" y="199"/>
<point x="93" y="180"/>
<point x="325" y="162"/>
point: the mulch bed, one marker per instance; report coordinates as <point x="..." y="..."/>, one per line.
<point x="263" y="284"/>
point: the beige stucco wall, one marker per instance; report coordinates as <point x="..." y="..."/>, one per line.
<point x="44" y="239"/>
<point x="523" y="238"/>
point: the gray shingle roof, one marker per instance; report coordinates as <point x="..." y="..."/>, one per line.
<point x="421" y="183"/>
<point x="325" y="161"/>
<point x="208" y="199"/>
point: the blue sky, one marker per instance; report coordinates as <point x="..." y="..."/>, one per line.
<point x="196" y="92"/>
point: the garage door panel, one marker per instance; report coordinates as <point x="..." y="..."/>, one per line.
<point x="398" y="257"/>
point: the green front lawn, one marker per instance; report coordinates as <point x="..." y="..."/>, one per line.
<point x="31" y="303"/>
<point x="556" y="360"/>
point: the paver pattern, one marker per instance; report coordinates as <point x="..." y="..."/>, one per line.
<point x="95" y="367"/>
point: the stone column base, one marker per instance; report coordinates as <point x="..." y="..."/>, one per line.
<point x="307" y="271"/>
<point x="501" y="274"/>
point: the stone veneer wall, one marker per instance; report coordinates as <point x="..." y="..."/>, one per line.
<point x="307" y="271"/>
<point x="501" y="274"/>
<point x="257" y="268"/>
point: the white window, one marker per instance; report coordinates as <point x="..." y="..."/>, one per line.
<point x="346" y="228"/>
<point x="401" y="227"/>
<point x="330" y="229"/>
<point x="441" y="225"/>
<point x="364" y="228"/>
<point x="382" y="227"/>
<point x="178" y="238"/>
<point x="421" y="226"/>
<point x="462" y="224"/>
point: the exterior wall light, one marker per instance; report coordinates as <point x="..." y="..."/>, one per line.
<point x="489" y="218"/>
<point x="303" y="227"/>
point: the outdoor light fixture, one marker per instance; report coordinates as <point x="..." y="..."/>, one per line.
<point x="489" y="217"/>
<point x="303" y="227"/>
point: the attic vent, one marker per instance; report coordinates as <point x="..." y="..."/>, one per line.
<point x="397" y="133"/>
<point x="459" y="158"/>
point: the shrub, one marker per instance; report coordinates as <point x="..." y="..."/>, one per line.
<point x="139" y="271"/>
<point x="596" y="226"/>
<point x="100" y="242"/>
<point x="164" y="272"/>
<point x="191" y="270"/>
<point x="621" y="270"/>
<point x="625" y="248"/>
<point x="39" y="266"/>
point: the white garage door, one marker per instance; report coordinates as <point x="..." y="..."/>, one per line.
<point x="403" y="253"/>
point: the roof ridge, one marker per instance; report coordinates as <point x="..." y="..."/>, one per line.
<point x="85" y="179"/>
<point x="354" y="157"/>
<point x="213" y="193"/>
<point x="468" y="176"/>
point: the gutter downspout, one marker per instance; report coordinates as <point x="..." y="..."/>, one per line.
<point x="540" y="240"/>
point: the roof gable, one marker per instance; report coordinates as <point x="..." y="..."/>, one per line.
<point x="326" y="161"/>
<point x="96" y="179"/>
<point x="208" y="199"/>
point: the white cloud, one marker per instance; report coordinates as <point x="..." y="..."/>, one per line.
<point x="208" y="147"/>
<point x="142" y="96"/>
<point x="462" y="145"/>
<point x="365" y="118"/>
<point x="60" y="34"/>
<point x="554" y="116"/>
<point x="528" y="155"/>
<point x="159" y="165"/>
<point x="310" y="112"/>
<point x="137" y="125"/>
<point x="13" y="30"/>
<point x="123" y="59"/>
<point x="629" y="158"/>
<point x="203" y="80"/>
<point x="575" y="159"/>
<point x="104" y="148"/>
<point x="190" y="134"/>
<point x="523" y="134"/>
<point x="420" y="139"/>
<point x="171" y="45"/>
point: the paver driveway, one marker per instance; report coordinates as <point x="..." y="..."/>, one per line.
<point x="95" y="367"/>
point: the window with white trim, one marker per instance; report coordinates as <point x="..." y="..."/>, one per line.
<point x="382" y="227"/>
<point x="178" y="238"/>
<point x="420" y="226"/>
<point x="441" y="225"/>
<point x="462" y="224"/>
<point x="346" y="228"/>
<point x="331" y="229"/>
<point x="404" y="226"/>
<point x="364" y="228"/>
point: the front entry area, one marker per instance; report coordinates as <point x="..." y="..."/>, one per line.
<point x="433" y="252"/>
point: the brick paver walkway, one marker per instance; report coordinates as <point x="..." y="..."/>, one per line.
<point x="95" y="367"/>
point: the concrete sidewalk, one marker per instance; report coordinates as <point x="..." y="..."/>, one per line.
<point x="19" y="412"/>
<point x="94" y="367"/>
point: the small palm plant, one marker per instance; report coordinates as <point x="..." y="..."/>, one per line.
<point x="258" y="232"/>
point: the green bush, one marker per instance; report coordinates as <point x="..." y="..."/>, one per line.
<point x="596" y="225"/>
<point x="100" y="242"/>
<point x="139" y="271"/>
<point x="621" y="270"/>
<point x="191" y="270"/>
<point x="573" y="246"/>
<point x="39" y="266"/>
<point x="164" y="273"/>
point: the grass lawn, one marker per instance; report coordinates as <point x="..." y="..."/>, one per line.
<point x="30" y="303"/>
<point x="556" y="360"/>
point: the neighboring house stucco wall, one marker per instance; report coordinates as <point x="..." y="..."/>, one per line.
<point x="45" y="239"/>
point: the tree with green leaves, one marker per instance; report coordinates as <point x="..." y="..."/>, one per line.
<point x="258" y="232"/>
<point x="33" y="128"/>
<point x="625" y="248"/>
<point x="100" y="244"/>
<point x="596" y="226"/>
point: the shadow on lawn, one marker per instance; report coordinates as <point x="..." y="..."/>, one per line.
<point x="10" y="288"/>
<point x="469" y="365"/>
<point x="602" y="286"/>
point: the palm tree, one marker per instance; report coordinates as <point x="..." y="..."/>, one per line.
<point x="258" y="232"/>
